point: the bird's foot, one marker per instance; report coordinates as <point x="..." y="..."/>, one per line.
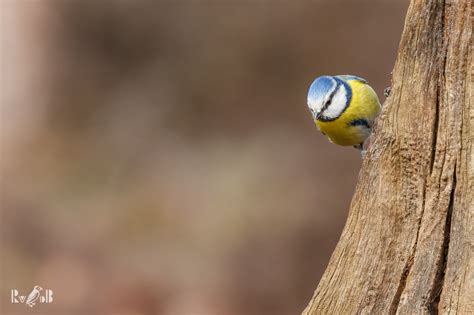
<point x="387" y="91"/>
<point x="362" y="150"/>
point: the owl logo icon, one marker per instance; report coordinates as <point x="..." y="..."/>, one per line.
<point x="33" y="296"/>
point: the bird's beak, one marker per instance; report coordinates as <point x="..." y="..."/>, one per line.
<point x="316" y="116"/>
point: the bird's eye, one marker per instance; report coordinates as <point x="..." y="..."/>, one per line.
<point x="328" y="102"/>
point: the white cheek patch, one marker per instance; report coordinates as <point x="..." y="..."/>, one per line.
<point x="338" y="103"/>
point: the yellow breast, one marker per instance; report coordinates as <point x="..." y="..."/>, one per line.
<point x="363" y="105"/>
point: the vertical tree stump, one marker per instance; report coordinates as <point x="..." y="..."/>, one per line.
<point x="407" y="247"/>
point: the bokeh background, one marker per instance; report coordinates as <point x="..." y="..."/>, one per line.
<point x="158" y="157"/>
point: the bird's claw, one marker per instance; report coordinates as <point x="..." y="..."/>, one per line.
<point x="387" y="91"/>
<point x="360" y="147"/>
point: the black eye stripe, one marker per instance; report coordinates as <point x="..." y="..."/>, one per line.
<point x="328" y="102"/>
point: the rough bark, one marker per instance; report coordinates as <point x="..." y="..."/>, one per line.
<point x="407" y="247"/>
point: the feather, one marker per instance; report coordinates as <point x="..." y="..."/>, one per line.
<point x="347" y="77"/>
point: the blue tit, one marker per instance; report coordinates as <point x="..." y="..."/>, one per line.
<point x="344" y="108"/>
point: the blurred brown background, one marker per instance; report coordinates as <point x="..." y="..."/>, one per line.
<point x="158" y="157"/>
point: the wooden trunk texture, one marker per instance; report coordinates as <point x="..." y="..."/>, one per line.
<point x="407" y="246"/>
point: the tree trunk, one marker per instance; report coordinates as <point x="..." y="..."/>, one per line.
<point x="407" y="247"/>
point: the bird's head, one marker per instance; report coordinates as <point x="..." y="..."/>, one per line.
<point x="328" y="97"/>
<point x="37" y="287"/>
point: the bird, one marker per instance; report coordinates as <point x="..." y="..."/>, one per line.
<point x="33" y="296"/>
<point x="344" y="108"/>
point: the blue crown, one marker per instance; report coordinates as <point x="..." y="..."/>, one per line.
<point x="321" y="86"/>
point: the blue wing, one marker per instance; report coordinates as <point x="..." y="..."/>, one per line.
<point x="347" y="77"/>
